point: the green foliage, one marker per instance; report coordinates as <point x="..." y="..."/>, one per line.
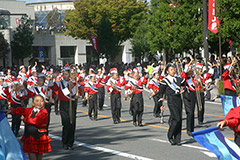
<point x="175" y="29"/>
<point x="3" y="45"/>
<point x="108" y="45"/>
<point x="22" y="40"/>
<point x="229" y="13"/>
<point x="140" y="46"/>
<point x="123" y="15"/>
<point x="53" y="18"/>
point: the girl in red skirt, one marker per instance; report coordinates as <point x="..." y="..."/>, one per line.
<point x="35" y="139"/>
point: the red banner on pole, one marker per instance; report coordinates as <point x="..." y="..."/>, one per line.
<point x="94" y="42"/>
<point x="213" y="22"/>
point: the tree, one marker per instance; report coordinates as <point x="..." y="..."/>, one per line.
<point x="54" y="18"/>
<point x="22" y="40"/>
<point x="229" y="14"/>
<point x="175" y="26"/>
<point x="124" y="16"/>
<point x="107" y="42"/>
<point x="140" y="46"/>
<point x="3" y="47"/>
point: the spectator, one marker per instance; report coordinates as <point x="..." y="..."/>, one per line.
<point x="212" y="90"/>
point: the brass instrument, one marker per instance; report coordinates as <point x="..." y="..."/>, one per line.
<point x="152" y="94"/>
<point x="198" y="91"/>
<point x="87" y="98"/>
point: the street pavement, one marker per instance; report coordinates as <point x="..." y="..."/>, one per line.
<point x="103" y="140"/>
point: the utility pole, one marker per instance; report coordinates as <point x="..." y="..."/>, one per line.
<point x="205" y="31"/>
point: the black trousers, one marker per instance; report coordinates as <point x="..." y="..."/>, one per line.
<point x="189" y="104"/>
<point x="16" y="120"/>
<point x="138" y="107"/>
<point x="201" y="112"/>
<point x="101" y="97"/>
<point x="3" y="104"/>
<point x="157" y="105"/>
<point x="68" y="130"/>
<point x="229" y="92"/>
<point x="175" y="120"/>
<point x="93" y="106"/>
<point x="56" y="103"/>
<point x="48" y="108"/>
<point x="116" y="106"/>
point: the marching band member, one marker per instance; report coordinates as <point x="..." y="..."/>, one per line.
<point x="91" y="91"/>
<point x="68" y="100"/>
<point x="35" y="139"/>
<point x="16" y="95"/>
<point x="203" y="78"/>
<point x="229" y="79"/>
<point x="44" y="91"/>
<point x="137" y="97"/>
<point x="128" y="89"/>
<point x="154" y="89"/>
<point x="114" y="85"/>
<point x="3" y="94"/>
<point x="9" y="78"/>
<point x="32" y="80"/>
<point x="171" y="86"/>
<point x="102" y="79"/>
<point x="83" y="83"/>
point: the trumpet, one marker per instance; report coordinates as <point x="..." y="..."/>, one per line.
<point x="152" y="94"/>
<point x="87" y="98"/>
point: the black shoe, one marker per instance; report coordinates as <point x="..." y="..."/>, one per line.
<point x="70" y="148"/>
<point x="200" y="123"/>
<point x="189" y="133"/>
<point x="95" y="119"/>
<point x="119" y="121"/>
<point x="178" y="144"/>
<point x="135" y="124"/>
<point x="157" y="115"/>
<point x="91" y="118"/>
<point x="65" y="147"/>
<point x="172" y="142"/>
<point x="140" y="124"/>
<point x="115" y="122"/>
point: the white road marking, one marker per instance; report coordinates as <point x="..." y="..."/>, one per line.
<point x="205" y="151"/>
<point x="210" y="154"/>
<point x="106" y="150"/>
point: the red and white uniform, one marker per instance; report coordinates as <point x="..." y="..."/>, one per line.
<point x="102" y="80"/>
<point x="137" y="85"/>
<point x="229" y="82"/>
<point x="16" y="98"/>
<point x="9" y="79"/>
<point x="153" y="84"/>
<point x="62" y="87"/>
<point x="37" y="90"/>
<point x="118" y="83"/>
<point x="22" y="77"/>
<point x="32" y="81"/>
<point x="4" y="92"/>
<point x="91" y="88"/>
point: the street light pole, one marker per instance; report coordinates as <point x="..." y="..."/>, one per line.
<point x="205" y="32"/>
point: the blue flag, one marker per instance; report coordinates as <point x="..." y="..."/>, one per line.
<point x="229" y="102"/>
<point x="10" y="148"/>
<point x="214" y="141"/>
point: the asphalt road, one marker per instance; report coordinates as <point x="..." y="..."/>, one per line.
<point x="103" y="140"/>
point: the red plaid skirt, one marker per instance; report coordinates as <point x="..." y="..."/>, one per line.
<point x="38" y="146"/>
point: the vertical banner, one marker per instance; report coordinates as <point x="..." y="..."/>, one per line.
<point x="17" y="22"/>
<point x="94" y="42"/>
<point x="213" y="22"/>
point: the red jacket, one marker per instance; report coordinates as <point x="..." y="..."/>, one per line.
<point x="117" y="84"/>
<point x="15" y="98"/>
<point x="227" y="81"/>
<point x="137" y="85"/>
<point x="232" y="119"/>
<point x="40" y="119"/>
<point x="154" y="84"/>
<point x="91" y="88"/>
